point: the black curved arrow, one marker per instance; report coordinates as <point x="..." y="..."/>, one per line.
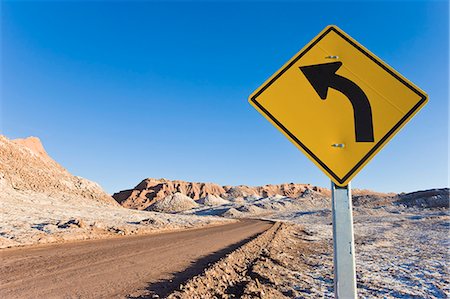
<point x="323" y="76"/>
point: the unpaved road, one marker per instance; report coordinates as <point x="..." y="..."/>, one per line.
<point x="120" y="267"/>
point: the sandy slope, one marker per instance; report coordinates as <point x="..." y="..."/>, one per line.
<point x="25" y="166"/>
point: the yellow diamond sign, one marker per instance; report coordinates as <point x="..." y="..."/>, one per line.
<point x="338" y="103"/>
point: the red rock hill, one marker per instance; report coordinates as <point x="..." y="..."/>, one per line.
<point x="151" y="190"/>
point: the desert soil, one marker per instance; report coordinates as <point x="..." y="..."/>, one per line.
<point x="131" y="266"/>
<point x="399" y="255"/>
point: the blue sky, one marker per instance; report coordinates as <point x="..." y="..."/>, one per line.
<point x="121" y="91"/>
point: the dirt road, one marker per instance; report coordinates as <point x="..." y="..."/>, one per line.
<point x="116" y="268"/>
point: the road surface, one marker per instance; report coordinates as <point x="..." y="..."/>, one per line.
<point x="121" y="267"/>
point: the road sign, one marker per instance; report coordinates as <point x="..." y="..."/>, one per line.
<point x="338" y="103"/>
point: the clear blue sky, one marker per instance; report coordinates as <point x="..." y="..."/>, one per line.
<point x="121" y="91"/>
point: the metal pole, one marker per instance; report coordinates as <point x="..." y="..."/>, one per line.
<point x="343" y="243"/>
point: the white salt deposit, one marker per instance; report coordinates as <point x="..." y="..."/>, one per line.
<point x="177" y="202"/>
<point x="211" y="200"/>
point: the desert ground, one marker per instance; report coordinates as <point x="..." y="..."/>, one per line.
<point x="401" y="249"/>
<point x="179" y="239"/>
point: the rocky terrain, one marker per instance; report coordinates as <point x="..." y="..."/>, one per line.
<point x="243" y="201"/>
<point x="41" y="202"/>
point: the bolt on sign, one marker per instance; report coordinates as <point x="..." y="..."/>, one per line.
<point x="338" y="103"/>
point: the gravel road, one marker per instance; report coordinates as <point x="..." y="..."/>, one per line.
<point x="121" y="267"/>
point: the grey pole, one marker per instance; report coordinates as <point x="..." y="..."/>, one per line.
<point x="343" y="243"/>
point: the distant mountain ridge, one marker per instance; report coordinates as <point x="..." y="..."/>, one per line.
<point x="151" y="190"/>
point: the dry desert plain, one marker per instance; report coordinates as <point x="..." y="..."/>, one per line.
<point x="179" y="239"/>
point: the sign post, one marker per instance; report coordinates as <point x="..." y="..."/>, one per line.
<point x="340" y="105"/>
<point x="343" y="243"/>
